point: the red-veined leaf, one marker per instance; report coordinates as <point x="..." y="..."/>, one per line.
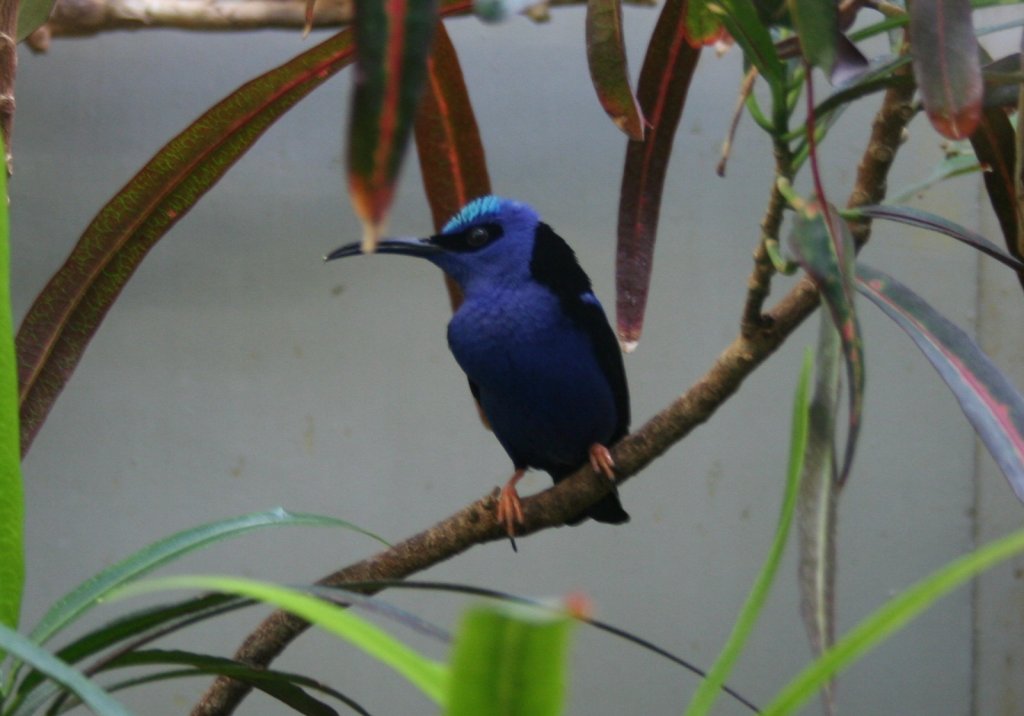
<point x="448" y="142"/>
<point x="946" y="65"/>
<point x="817" y="25"/>
<point x="67" y="313"/>
<point x="933" y="222"/>
<point x="606" y="57"/>
<point x="990" y="402"/>
<point x="817" y="501"/>
<point x="823" y="245"/>
<point x="994" y="144"/>
<point x="664" y="82"/>
<point x="392" y="44"/>
<point x="702" y="27"/>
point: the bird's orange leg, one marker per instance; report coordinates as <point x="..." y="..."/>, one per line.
<point x="602" y="462"/>
<point x="510" y="509"/>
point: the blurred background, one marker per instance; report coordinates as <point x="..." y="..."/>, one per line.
<point x="238" y="372"/>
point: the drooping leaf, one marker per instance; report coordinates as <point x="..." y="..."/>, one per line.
<point x="429" y="676"/>
<point x="933" y="222"/>
<point x="662" y="89"/>
<point x="817" y="502"/>
<point x="1002" y="82"/>
<point x="64" y="317"/>
<point x="12" y="508"/>
<point x="888" y="619"/>
<point x="88" y="593"/>
<point x="31" y="15"/>
<point x="451" y="153"/>
<point x="946" y="65"/>
<point x="817" y="25"/>
<point x="510" y="660"/>
<point x="702" y="27"/>
<point x="823" y="245"/>
<point x="704" y="697"/>
<point x="606" y="57"/>
<point x="990" y="401"/>
<point x="25" y="650"/>
<point x="392" y="44"/>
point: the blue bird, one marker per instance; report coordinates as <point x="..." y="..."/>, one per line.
<point x="532" y="338"/>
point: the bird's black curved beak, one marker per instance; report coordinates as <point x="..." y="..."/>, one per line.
<point x="406" y="247"/>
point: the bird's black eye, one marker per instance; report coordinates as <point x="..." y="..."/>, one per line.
<point x="477" y="237"/>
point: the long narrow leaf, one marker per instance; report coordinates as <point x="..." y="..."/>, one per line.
<point x="661" y="91"/>
<point x="990" y="402"/>
<point x="933" y="222"/>
<point x="745" y="25"/>
<point x="87" y="594"/>
<point x="427" y="675"/>
<point x="64" y="317"/>
<point x="392" y="43"/>
<point x="817" y="502"/>
<point x="823" y="244"/>
<point x="888" y="619"/>
<point x="946" y="65"/>
<point x="30" y="653"/>
<point x="704" y="698"/>
<point x="12" y="556"/>
<point x="609" y="72"/>
<point x="510" y="660"/>
<point x="451" y="153"/>
<point x="817" y="25"/>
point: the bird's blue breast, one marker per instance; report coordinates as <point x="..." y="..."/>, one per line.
<point x="539" y="381"/>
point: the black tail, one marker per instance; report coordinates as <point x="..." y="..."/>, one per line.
<point x="608" y="509"/>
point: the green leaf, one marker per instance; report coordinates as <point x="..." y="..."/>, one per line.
<point x="817" y="25"/>
<point x="704" y="698"/>
<point x="746" y="27"/>
<point x="88" y="593"/>
<point x="392" y="43"/>
<point x="427" y="675"/>
<point x="664" y="83"/>
<point x="30" y="653"/>
<point x="509" y="660"/>
<point x="702" y="26"/>
<point x="990" y="401"/>
<point x="817" y="501"/>
<point x="946" y="66"/>
<point x="888" y="619"/>
<point x="933" y="222"/>
<point x="822" y="243"/>
<point x="955" y="165"/>
<point x="31" y="15"/>
<point x="609" y="72"/>
<point x="12" y="508"/>
<point x="64" y="317"/>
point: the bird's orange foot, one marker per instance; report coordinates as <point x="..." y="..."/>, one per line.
<point x="510" y="508"/>
<point x="602" y="462"/>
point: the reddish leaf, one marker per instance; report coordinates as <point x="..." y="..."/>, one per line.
<point x="946" y="65"/>
<point x="664" y="82"/>
<point x="606" y="57"/>
<point x="392" y="43"/>
<point x="990" y="402"/>
<point x="67" y="313"/>
<point x="994" y="144"/>
<point x="824" y="246"/>
<point x="448" y="141"/>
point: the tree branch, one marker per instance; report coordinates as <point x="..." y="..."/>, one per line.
<point x="475" y="524"/>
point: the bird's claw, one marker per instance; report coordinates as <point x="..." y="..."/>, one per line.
<point x="510" y="507"/>
<point x="602" y="462"/>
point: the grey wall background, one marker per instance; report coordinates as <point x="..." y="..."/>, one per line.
<point x="237" y="372"/>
